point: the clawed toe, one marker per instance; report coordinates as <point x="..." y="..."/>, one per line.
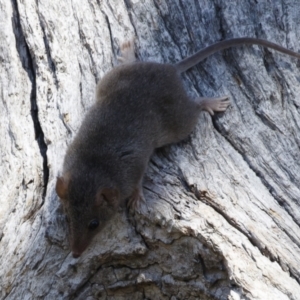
<point x="212" y="105"/>
<point x="136" y="199"/>
<point x="127" y="52"/>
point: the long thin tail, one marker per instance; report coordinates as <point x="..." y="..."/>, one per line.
<point x="190" y="61"/>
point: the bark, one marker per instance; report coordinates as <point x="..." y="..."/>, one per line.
<point x="222" y="215"/>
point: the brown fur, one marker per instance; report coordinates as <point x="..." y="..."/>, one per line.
<point x="139" y="106"/>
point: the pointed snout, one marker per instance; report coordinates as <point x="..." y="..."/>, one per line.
<point x="80" y="239"/>
<point x="77" y="251"/>
<point x="76" y="254"/>
<point x="78" y="247"/>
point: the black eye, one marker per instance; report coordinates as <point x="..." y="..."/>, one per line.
<point x="93" y="224"/>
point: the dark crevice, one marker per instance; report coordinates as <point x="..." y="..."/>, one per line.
<point x="219" y="17"/>
<point x="201" y="262"/>
<point x="110" y="34"/>
<point x="29" y="66"/>
<point x="50" y="61"/>
<point x="39" y="134"/>
<point x="80" y="86"/>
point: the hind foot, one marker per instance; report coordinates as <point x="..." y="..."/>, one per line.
<point x="213" y="105"/>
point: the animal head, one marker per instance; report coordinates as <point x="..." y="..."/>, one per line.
<point x="88" y="208"/>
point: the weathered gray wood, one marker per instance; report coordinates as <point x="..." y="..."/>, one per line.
<point x="222" y="215"/>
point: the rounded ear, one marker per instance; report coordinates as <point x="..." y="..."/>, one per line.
<point x="62" y="187"/>
<point x="107" y="196"/>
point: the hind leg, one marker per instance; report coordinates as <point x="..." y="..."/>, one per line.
<point x="187" y="115"/>
<point x="212" y="105"/>
<point x="127" y="52"/>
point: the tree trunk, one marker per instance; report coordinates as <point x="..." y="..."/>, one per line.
<point x="222" y="216"/>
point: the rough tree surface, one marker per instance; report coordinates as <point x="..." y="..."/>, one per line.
<point x="222" y="215"/>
